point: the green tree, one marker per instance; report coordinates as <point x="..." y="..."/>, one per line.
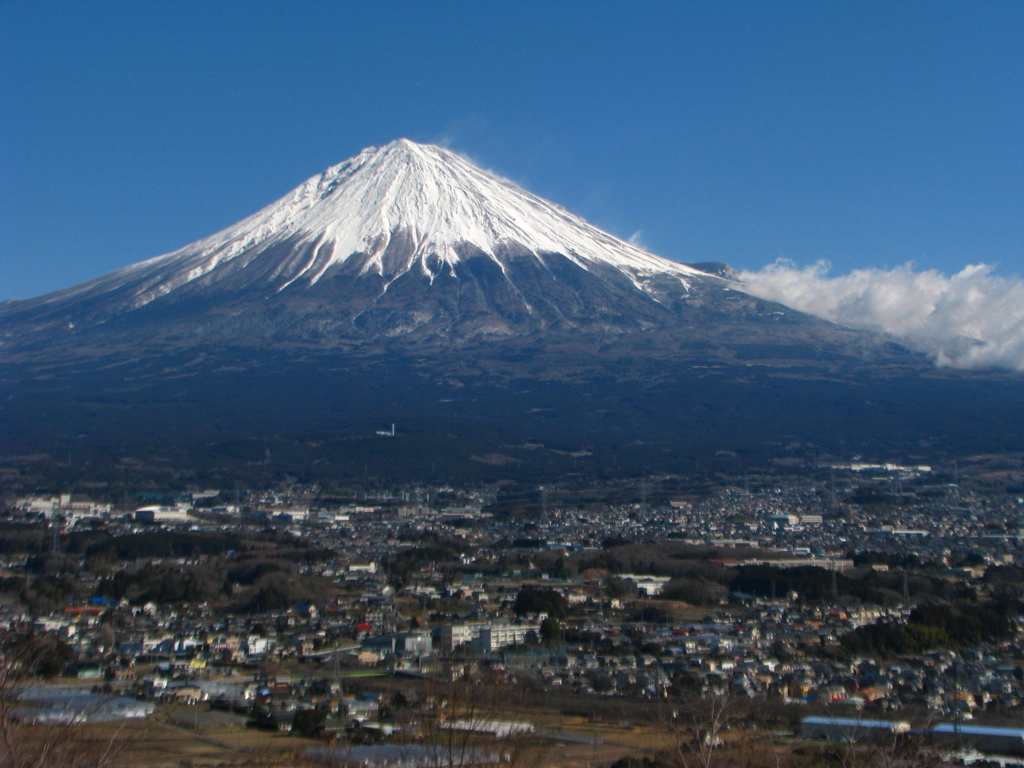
<point x="532" y="599"/>
<point x="551" y="632"/>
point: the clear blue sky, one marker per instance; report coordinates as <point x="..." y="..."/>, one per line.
<point x="866" y="133"/>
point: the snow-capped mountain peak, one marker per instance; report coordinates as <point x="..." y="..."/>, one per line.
<point x="399" y="218"/>
<point x="443" y="202"/>
<point x="438" y="204"/>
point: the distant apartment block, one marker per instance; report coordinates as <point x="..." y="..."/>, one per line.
<point x="485" y="637"/>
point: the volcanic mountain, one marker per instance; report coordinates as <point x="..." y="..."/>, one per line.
<point x="405" y="240"/>
<point x="407" y="285"/>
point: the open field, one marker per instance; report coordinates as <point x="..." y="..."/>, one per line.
<point x="158" y="743"/>
<point x="197" y="737"/>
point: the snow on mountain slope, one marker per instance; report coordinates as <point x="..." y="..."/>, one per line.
<point x="397" y="208"/>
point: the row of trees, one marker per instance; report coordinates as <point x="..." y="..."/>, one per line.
<point x="936" y="625"/>
<point x="258" y="572"/>
<point x="698" y="578"/>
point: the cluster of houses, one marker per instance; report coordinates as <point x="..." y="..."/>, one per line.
<point x="766" y="649"/>
<point x="759" y="653"/>
<point x="444" y="618"/>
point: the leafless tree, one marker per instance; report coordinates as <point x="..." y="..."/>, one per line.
<point x="60" y="743"/>
<point x="697" y="724"/>
<point x="473" y="722"/>
<point x="717" y="728"/>
<point x="460" y="723"/>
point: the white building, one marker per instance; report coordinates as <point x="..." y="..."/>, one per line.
<point x="495" y="636"/>
<point x="50" y="506"/>
<point x="362" y="567"/>
<point x="486" y="637"/>
<point x="157" y="515"/>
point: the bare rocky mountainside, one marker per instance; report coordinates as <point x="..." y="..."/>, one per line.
<point x="497" y="330"/>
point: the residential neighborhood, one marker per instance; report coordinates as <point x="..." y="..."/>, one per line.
<point x="333" y="620"/>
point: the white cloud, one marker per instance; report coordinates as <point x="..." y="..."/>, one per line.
<point x="973" y="319"/>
